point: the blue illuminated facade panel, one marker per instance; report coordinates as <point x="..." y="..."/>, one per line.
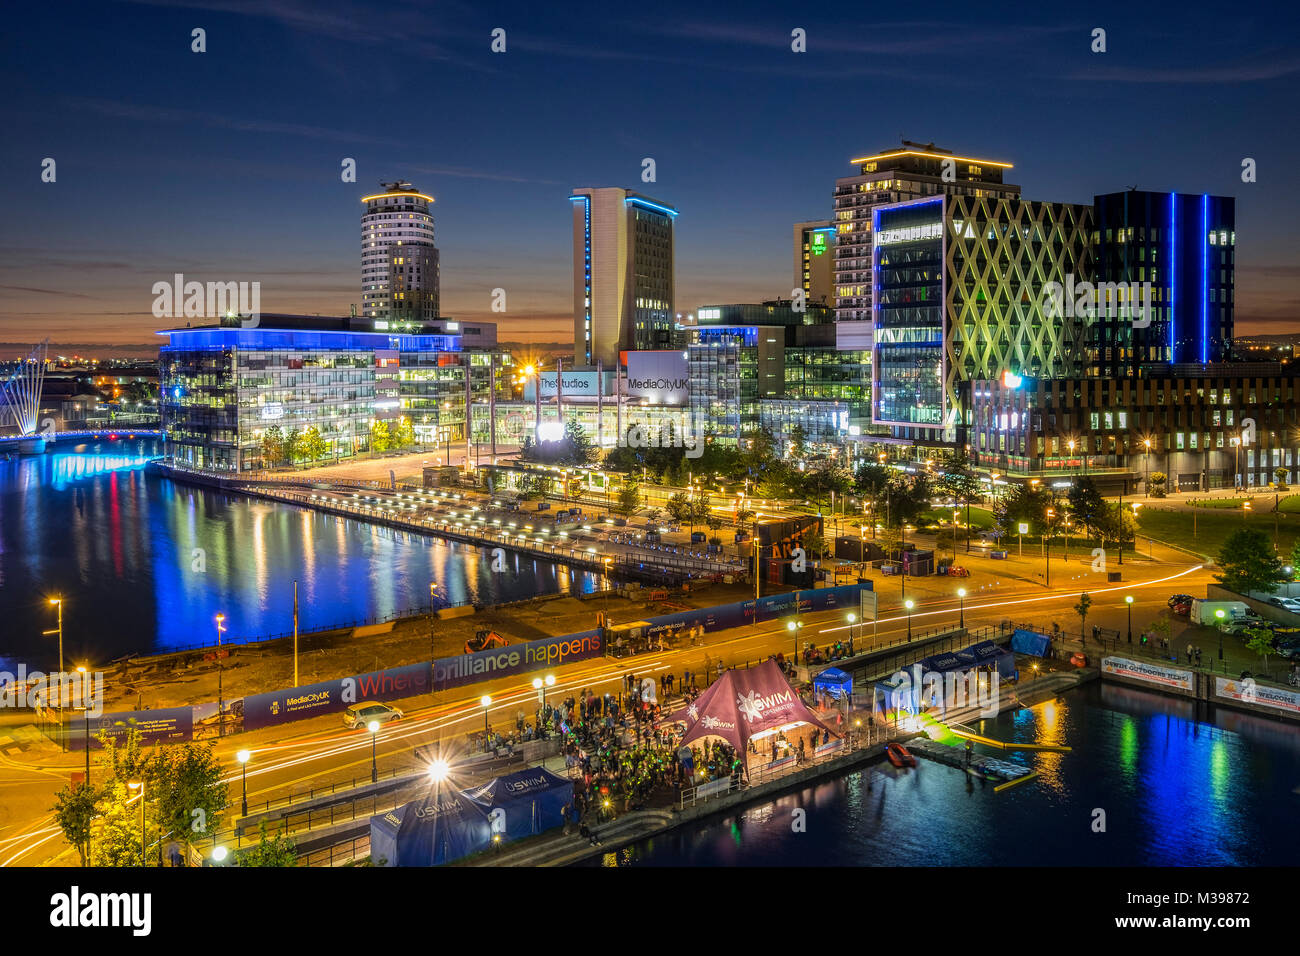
<point x="908" y="316"/>
<point x="1180" y="249"/>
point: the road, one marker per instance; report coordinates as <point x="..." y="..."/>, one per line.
<point x="319" y="752"/>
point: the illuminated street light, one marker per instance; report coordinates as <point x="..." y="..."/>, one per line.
<point x="373" y="727"/>
<point x="961" y="596"/>
<point x="909" y="604"/>
<point x="1128" y="599"/>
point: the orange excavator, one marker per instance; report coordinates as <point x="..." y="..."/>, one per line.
<point x="485" y="640"/>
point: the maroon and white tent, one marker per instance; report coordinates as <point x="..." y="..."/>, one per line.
<point x="742" y="704"/>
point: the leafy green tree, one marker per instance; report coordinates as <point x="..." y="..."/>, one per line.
<point x="185" y="779"/>
<point x="679" y="507"/>
<point x="629" y="498"/>
<point x="1157" y="484"/>
<point x="1295" y="560"/>
<point x="118" y="842"/>
<point x="73" y="810"/>
<point x="1248" y="563"/>
<point x="272" y="446"/>
<point x="1082" y="609"/>
<point x="797" y="442"/>
<point x="1023" y="503"/>
<point x="403" y="433"/>
<point x="1088" y="506"/>
<point x="293" y="445"/>
<point x="313" y="444"/>
<point x="279" y="850"/>
<point x="1279" y="476"/>
<point x="1259" y="640"/>
<point x="380" y="436"/>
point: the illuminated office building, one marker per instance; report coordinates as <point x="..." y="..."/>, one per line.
<point x="814" y="261"/>
<point x="622" y="274"/>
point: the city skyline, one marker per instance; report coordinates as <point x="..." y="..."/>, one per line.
<point x="249" y="185"/>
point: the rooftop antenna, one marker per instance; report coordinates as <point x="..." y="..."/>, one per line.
<point x="400" y="185"/>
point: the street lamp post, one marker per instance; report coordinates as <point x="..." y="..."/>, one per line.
<point x="221" y="704"/>
<point x="852" y="619"/>
<point x="373" y="727"/>
<point x="1128" y="599"/>
<point x="961" y="596"/>
<point x="58" y="604"/>
<point x="909" y="604"/>
<point x="85" y="714"/>
<point x="793" y="628"/>
<point x="485" y="702"/>
<point x="1146" y="466"/>
<point x="1219" y="615"/>
<point x="139" y="785"/>
<point x="243" y="757"/>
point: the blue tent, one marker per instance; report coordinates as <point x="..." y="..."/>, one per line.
<point x="1030" y="642"/>
<point x="834" y="682"/>
<point x="441" y="826"/>
<point x="521" y="804"/>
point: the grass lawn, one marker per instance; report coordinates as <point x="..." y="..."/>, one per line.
<point x="1212" y="530"/>
<point x="1217" y="502"/>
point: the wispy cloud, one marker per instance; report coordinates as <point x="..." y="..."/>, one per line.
<point x="1253" y="70"/>
<point x="163" y="114"/>
<point x="64" y="292"/>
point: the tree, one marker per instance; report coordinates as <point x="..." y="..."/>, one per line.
<point x="313" y="444"/>
<point x="403" y="434"/>
<point x="1295" y="560"/>
<point x="380" y="436"/>
<point x="1248" y="563"/>
<point x="293" y="445"/>
<point x="1279" y="476"/>
<point x="1088" y="506"/>
<point x="188" y="793"/>
<point x="73" y="810"/>
<point x="1157" y="483"/>
<point x="797" y="443"/>
<point x="272" y="446"/>
<point x="1260" y="640"/>
<point x="1023" y="504"/>
<point x="118" y="842"/>
<point x="278" y="850"/>
<point x="629" y="498"/>
<point x="1082" y="609"/>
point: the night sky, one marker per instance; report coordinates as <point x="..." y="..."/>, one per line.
<point x="225" y="165"/>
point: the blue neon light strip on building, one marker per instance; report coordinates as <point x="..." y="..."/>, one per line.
<point x="638" y="201"/>
<point x="1205" y="277"/>
<point x="1173" y="271"/>
<point x="193" y="339"/>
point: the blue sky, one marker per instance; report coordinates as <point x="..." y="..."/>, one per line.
<point x="225" y="165"/>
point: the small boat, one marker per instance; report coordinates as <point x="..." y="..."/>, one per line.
<point x="899" y="756"/>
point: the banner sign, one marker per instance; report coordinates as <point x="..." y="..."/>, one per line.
<point x="332" y="696"/>
<point x="166" y="725"/>
<point x="1150" y="673"/>
<point x="1249" y="692"/>
<point x="515" y="659"/>
<point x="658" y="377"/>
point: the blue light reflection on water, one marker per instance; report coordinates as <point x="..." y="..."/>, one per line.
<point x="146" y="563"/>
<point x="1176" y="791"/>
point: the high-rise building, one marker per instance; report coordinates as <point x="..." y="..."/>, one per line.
<point x="622" y="273"/>
<point x="814" y="261"/>
<point x="962" y="292"/>
<point x="399" y="263"/>
<point x="913" y="171"/>
<point x="1164" y="271"/>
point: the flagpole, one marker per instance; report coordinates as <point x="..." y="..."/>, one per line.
<point x="295" y="633"/>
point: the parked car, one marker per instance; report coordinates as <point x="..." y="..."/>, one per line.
<point x="1242" y="625"/>
<point x="361" y="714"/>
<point x="1176" y="599"/>
<point x="1286" y="603"/>
<point x="1290" y="650"/>
<point x="1182" y="609"/>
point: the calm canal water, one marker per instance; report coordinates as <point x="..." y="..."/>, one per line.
<point x="1177" y="791"/>
<point x="88" y="522"/>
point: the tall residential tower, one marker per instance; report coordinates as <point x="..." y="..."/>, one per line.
<point x="399" y="262"/>
<point x="622" y="273"/>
